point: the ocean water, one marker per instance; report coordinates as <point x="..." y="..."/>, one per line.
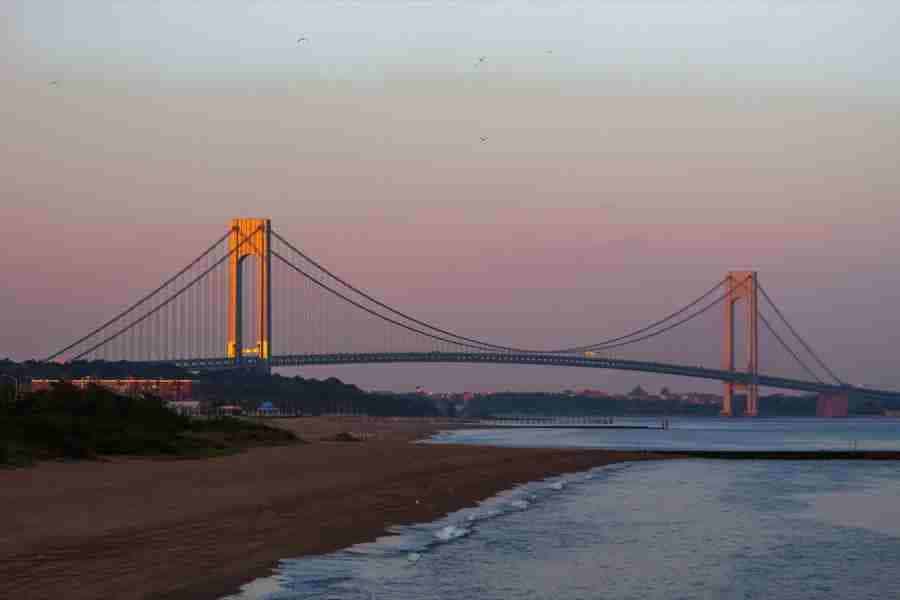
<point x="692" y="433"/>
<point x="687" y="529"/>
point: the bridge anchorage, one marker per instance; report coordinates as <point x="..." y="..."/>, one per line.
<point x="255" y="300"/>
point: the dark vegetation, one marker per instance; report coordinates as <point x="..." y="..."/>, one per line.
<point x="309" y="396"/>
<point x="68" y="423"/>
<point x="246" y="389"/>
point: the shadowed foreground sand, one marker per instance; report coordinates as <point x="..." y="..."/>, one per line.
<point x="128" y="528"/>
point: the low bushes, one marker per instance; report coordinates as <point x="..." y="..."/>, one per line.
<point x="66" y="422"/>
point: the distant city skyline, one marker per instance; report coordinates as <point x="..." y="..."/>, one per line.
<point x="602" y="165"/>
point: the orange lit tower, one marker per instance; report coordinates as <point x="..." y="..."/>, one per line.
<point x="250" y="238"/>
<point x="742" y="286"/>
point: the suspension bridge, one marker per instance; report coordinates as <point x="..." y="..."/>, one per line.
<point x="282" y="308"/>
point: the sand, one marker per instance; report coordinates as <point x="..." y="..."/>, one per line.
<point x="129" y="528"/>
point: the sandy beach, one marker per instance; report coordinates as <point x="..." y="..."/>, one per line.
<point x="128" y="528"/>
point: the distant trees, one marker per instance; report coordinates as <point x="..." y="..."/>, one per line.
<point x="310" y="396"/>
<point x="66" y="421"/>
<point x="7" y="390"/>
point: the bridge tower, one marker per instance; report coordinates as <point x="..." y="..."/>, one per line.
<point x="250" y="238"/>
<point x="742" y="286"/>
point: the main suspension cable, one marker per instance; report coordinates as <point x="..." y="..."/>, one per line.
<point x="442" y="339"/>
<point x="489" y="345"/>
<point x="134" y="306"/>
<point x="688" y="318"/>
<point x="649" y="327"/>
<point x="372" y="312"/>
<point x="790" y="350"/>
<point x="370" y="298"/>
<point x="799" y="338"/>
<point x="168" y="300"/>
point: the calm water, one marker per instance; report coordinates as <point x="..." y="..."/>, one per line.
<point x="686" y="433"/>
<point x="674" y="529"/>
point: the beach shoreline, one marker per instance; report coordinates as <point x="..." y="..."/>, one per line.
<point x="200" y="528"/>
<point x="179" y="529"/>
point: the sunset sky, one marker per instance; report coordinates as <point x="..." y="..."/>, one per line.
<point x="635" y="152"/>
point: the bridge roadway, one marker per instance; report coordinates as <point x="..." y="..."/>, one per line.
<point x="545" y="359"/>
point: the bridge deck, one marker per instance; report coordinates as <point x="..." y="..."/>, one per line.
<point x="558" y="360"/>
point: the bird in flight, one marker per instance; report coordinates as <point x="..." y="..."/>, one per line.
<point x="481" y="59"/>
<point x="483" y="139"/>
<point x="302" y="39"/>
<point x="54" y="82"/>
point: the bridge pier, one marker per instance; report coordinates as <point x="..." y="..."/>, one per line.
<point x="832" y="405"/>
<point x="752" y="409"/>
<point x="751" y="400"/>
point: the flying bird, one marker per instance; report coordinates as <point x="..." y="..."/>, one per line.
<point x="483" y="139"/>
<point x="302" y="39"/>
<point x="54" y="82"/>
<point x="481" y="59"/>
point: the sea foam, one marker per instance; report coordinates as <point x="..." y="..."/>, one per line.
<point x="482" y="516"/>
<point x="451" y="532"/>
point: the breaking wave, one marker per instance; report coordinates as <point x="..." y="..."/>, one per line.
<point x="451" y="532"/>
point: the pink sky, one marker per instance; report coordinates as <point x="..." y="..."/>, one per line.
<point x="613" y="192"/>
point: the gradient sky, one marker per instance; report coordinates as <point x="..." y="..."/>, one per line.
<point x="636" y="151"/>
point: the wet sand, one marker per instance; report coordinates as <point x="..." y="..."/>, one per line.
<point x="128" y="528"/>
